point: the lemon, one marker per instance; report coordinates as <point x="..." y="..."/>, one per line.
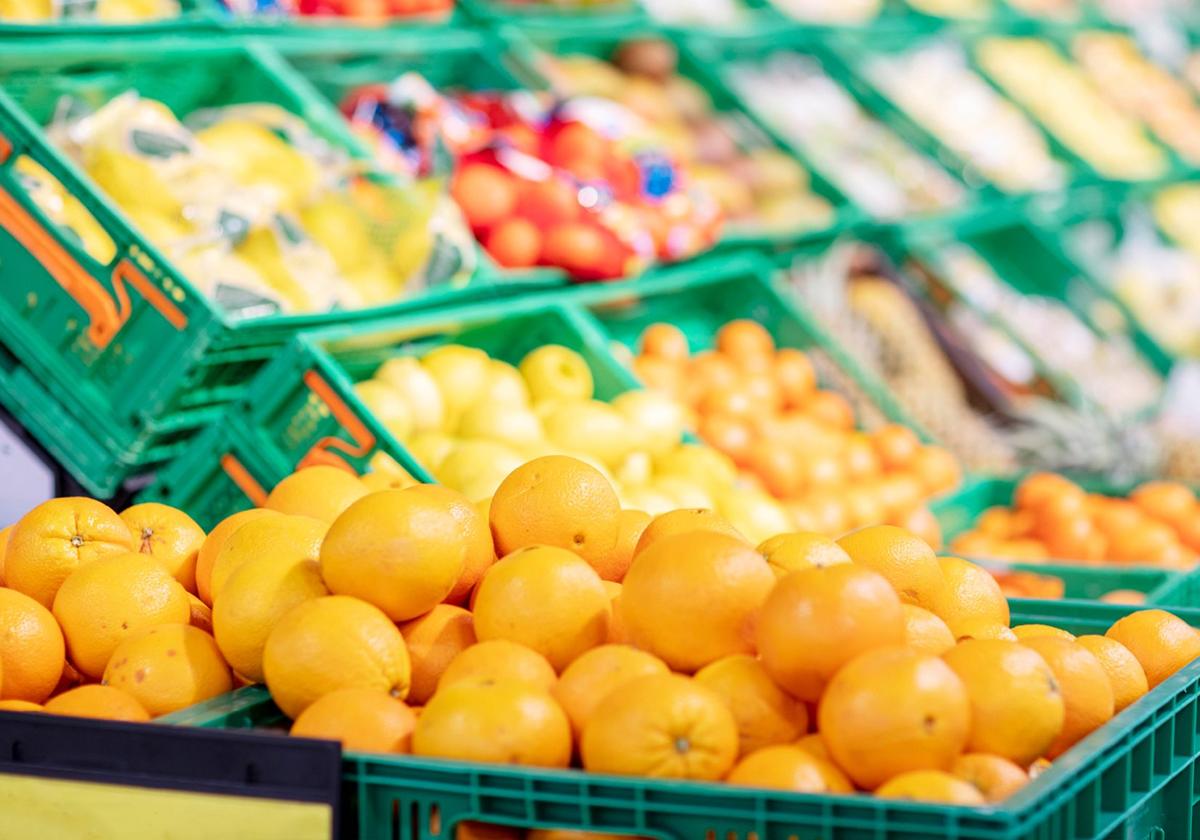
<point x="554" y="372"/>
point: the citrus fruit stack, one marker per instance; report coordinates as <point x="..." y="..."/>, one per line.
<point x="99" y="615"/>
<point x="1051" y="516"/>
<point x="471" y="419"/>
<point x="761" y="406"/>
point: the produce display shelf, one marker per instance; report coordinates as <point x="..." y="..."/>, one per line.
<point x="1133" y="777"/>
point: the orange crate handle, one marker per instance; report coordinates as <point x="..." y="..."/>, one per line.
<point x="241" y="476"/>
<point x="321" y="454"/>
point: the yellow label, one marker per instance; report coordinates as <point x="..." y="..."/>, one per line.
<point x="35" y="807"/>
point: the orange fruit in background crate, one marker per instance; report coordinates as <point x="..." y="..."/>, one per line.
<point x="57" y="537"/>
<point x="788" y="768"/>
<point x="329" y="643"/>
<point x="206" y="555"/>
<point x="106" y="601"/>
<point x="546" y="598"/>
<point x="499" y="660"/>
<point x="282" y="536"/>
<point x="404" y="551"/>
<point x="1086" y="691"/>
<point x="556" y="501"/>
<point x="361" y="719"/>
<point x="504" y="722"/>
<point x="665" y="726"/>
<point x="433" y="640"/>
<point x="894" y="710"/>
<point x="168" y="535"/>
<point x="1017" y="707"/>
<point x="97" y="701"/>
<point x="1166" y="501"/>
<point x="321" y="492"/>
<point x="1161" y="642"/>
<point x="931" y="786"/>
<point x="816" y="620"/>
<point x="597" y="673"/>
<point x="765" y="714"/>
<point x="168" y="668"/>
<point x="691" y="598"/>
<point x="256" y="596"/>
<point x="31" y="648"/>
<point x="1125" y="673"/>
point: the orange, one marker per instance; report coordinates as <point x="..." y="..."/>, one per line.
<point x="1162" y="642"/>
<point x="501" y="723"/>
<point x="744" y="340"/>
<point x="1017" y="706"/>
<point x="970" y="597"/>
<point x="658" y="374"/>
<point x="596" y="674"/>
<point x="691" y="598"/>
<point x="1125" y="673"/>
<point x="1112" y="516"/>
<point x="168" y="668"/>
<point x="710" y="370"/>
<point x="794" y="375"/>
<point x="487" y="194"/>
<point x="206" y="556"/>
<point x="31" y="648"/>
<point x="830" y="409"/>
<point x="1166" y="501"/>
<point x="571" y="834"/>
<point x="731" y="436"/>
<point x="1147" y="542"/>
<point x="57" y="537"/>
<point x="433" y="640"/>
<point x="320" y="492"/>
<point x="788" y="768"/>
<point x="97" y="701"/>
<point x="936" y="469"/>
<point x="201" y="614"/>
<point x="895" y="445"/>
<point x="931" y="786"/>
<point x="816" y="620"/>
<point x="734" y="401"/>
<point x="1029" y="631"/>
<point x="404" y="551"/>
<point x="468" y="830"/>
<point x="616" y="565"/>
<point x="861" y="459"/>
<point x="813" y="745"/>
<point x="994" y="777"/>
<point x="294" y="537"/>
<point x="893" y="710"/>
<point x="168" y="535"/>
<point x="1070" y="536"/>
<point x="330" y="643"/>
<point x="786" y="553"/>
<point x="1086" y="691"/>
<point x="545" y="598"/>
<point x="925" y="632"/>
<point x="664" y="726"/>
<point x="514" y="243"/>
<point x="499" y="661"/>
<point x="1128" y="597"/>
<point x="665" y="341"/>
<point x="904" y="559"/>
<point x="921" y="522"/>
<point x="556" y="501"/>
<point x="683" y="521"/>
<point x="1039" y="489"/>
<point x="4" y="532"/>
<point x="255" y="597"/>
<point x="20" y="706"/>
<point x="107" y="600"/>
<point x="765" y="714"/>
<point x="362" y="719"/>
<point x="779" y="468"/>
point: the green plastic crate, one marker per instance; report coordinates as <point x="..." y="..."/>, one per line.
<point x="958" y="512"/>
<point x="494" y="12"/>
<point x="126" y="358"/>
<point x="1133" y="777"/>
<point x="302" y="408"/>
<point x="602" y="43"/>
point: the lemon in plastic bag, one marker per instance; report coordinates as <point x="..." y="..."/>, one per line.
<point x="65" y="210"/>
<point x="132" y="11"/>
<point x="26" y="10"/>
<point x="253" y="154"/>
<point x="334" y="222"/>
<point x="230" y="282"/>
<point x="300" y="271"/>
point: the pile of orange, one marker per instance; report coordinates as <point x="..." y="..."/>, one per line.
<point x="1052" y="517"/>
<point x="552" y="627"/>
<point x="761" y="406"/>
<point x="1023" y="584"/>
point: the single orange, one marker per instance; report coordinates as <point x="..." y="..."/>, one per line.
<point x="765" y="714"/>
<point x="665" y="341"/>
<point x="816" y="620"/>
<point x="970" y="597"/>
<point x="931" y="786"/>
<point x="795" y="376"/>
<point x="97" y="701"/>
<point x="1030" y="631"/>
<point x="1086" y="690"/>
<point x="1125" y="673"/>
<point x="895" y="445"/>
<point x="995" y="777"/>
<point x="664" y="726"/>
<point x="1163" y="643"/>
<point x="502" y="723"/>
<point x="280" y="536"/>
<point x="893" y="710"/>
<point x="20" y="706"/>
<point x="168" y="668"/>
<point x="499" y="661"/>
<point x="320" y="492"/>
<point x="925" y="632"/>
<point x="781" y="469"/>
<point x="1039" y="488"/>
<point x="598" y="673"/>
<point x="31" y="650"/>
<point x="1166" y="501"/>
<point x="937" y="469"/>
<point x="786" y="553"/>
<point x="691" y="598"/>
<point x="362" y="719"/>
<point x="616" y="565"/>
<point x="556" y="501"/>
<point x="433" y="640"/>
<point x="1017" y="706"/>
<point x="830" y="409"/>
<point x="683" y="521"/>
<point x="860" y="458"/>
<point x="57" y="537"/>
<point x="168" y="535"/>
<point x="206" y="556"/>
<point x="921" y="522"/>
<point x="732" y="436"/>
<point x="906" y="560"/>
<point x="744" y="340"/>
<point x="783" y="767"/>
